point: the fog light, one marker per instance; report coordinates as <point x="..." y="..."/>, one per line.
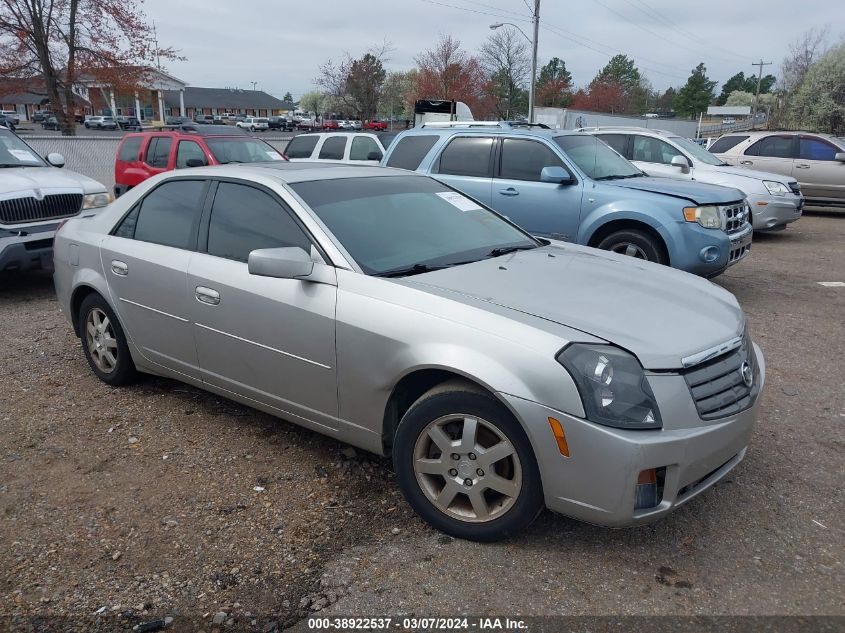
<point x="649" y="491"/>
<point x="709" y="254"/>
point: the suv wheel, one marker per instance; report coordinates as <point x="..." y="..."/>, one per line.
<point x="465" y="464"/>
<point x="252" y="128"/>
<point x="104" y="342"/>
<point x="634" y="243"/>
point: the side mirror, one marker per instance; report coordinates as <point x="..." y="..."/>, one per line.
<point x="557" y="175"/>
<point x="374" y="156"/>
<point x="195" y="162"/>
<point x="282" y="263"/>
<point x="840" y="156"/>
<point x="56" y="160"/>
<point x="679" y="161"/>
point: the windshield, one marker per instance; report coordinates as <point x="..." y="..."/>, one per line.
<point x="595" y="158"/>
<point x="15" y="153"/>
<point x="241" y="150"/>
<point x="408" y="223"/>
<point x="697" y="151"/>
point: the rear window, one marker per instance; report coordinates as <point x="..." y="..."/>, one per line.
<point x="333" y="148"/>
<point x="410" y="151"/>
<point x="725" y="143"/>
<point x="616" y="141"/>
<point x="129" y="150"/>
<point x="302" y="146"/>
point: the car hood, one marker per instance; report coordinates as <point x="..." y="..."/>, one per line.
<point x="24" y="180"/>
<point x="741" y="172"/>
<point x="660" y="314"/>
<point x="695" y="192"/>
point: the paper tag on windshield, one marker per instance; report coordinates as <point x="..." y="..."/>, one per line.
<point x="274" y="155"/>
<point x="22" y="154"/>
<point x="458" y="201"/>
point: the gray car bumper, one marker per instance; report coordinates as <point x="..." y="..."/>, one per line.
<point x="597" y="482"/>
<point x="770" y="213"/>
<point x="27" y="251"/>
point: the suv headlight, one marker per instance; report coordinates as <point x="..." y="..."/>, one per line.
<point x="776" y="188"/>
<point x="613" y="386"/>
<point x="707" y="216"/>
<point x="96" y="200"/>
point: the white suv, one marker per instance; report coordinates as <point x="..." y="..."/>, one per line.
<point x="775" y="200"/>
<point x="336" y="147"/>
<point x="254" y="124"/>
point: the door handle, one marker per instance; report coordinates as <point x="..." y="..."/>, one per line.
<point x="746" y="162"/>
<point x="207" y="295"/>
<point x="119" y="268"/>
<point x="510" y="191"/>
<point x="802" y="167"/>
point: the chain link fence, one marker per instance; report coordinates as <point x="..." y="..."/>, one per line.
<point x="93" y="156"/>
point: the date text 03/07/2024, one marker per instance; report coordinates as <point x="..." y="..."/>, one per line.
<point x="417" y="624"/>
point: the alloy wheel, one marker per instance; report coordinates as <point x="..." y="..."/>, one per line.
<point x="629" y="249"/>
<point x="467" y="468"/>
<point x="101" y="341"/>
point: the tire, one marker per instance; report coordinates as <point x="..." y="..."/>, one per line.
<point x="634" y="243"/>
<point x="487" y="500"/>
<point x="87" y="127"/>
<point x="103" y="344"/>
<point x="252" y="129"/>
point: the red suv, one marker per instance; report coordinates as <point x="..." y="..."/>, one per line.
<point x="145" y="154"/>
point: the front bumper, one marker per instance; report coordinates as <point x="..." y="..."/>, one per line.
<point x="771" y="213"/>
<point x="27" y="248"/>
<point x="597" y="483"/>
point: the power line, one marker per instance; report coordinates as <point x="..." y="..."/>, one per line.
<point x="490" y="6"/>
<point x="495" y="15"/>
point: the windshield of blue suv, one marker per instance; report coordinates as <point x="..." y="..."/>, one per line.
<point x="595" y="158"/>
<point x="15" y="153"/>
<point x="394" y="226"/>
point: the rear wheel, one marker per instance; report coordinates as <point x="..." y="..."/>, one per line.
<point x="634" y="243"/>
<point x="104" y="342"/>
<point x="466" y="466"/>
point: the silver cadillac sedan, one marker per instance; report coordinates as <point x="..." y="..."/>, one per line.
<point x="502" y="373"/>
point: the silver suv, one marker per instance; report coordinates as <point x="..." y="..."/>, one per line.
<point x="385" y="309"/>
<point x="817" y="161"/>
<point x="775" y="199"/>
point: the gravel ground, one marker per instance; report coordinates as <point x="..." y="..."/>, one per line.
<point x="161" y="499"/>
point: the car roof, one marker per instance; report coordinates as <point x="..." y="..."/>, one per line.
<point x="192" y="130"/>
<point x="628" y="128"/>
<point x="294" y="172"/>
<point x="483" y="128"/>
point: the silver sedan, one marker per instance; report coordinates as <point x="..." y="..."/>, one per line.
<point x="501" y="372"/>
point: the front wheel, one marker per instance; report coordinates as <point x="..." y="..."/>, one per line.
<point x="466" y="466"/>
<point x="634" y="243"/>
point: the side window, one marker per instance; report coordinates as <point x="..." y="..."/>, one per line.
<point x="410" y="151"/>
<point x="301" y="146"/>
<point x="129" y="150"/>
<point x="725" y="143"/>
<point x="333" y="148"/>
<point x="619" y="142"/>
<point x="772" y="146"/>
<point x="524" y="160"/>
<point x="158" y="151"/>
<point x="816" y="149"/>
<point x="244" y="219"/>
<point x="189" y="150"/>
<point x="166" y="215"/>
<point x="652" y="150"/>
<point x="467" y="156"/>
<point x="362" y="147"/>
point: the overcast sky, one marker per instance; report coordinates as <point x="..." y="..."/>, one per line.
<point x="280" y="43"/>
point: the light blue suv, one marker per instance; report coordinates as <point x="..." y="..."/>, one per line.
<point x="571" y="186"/>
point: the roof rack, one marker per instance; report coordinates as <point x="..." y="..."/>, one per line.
<point x="482" y="124"/>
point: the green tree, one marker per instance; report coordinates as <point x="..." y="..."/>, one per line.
<point x="819" y="102"/>
<point x="312" y="102"/>
<point x="666" y="102"/>
<point x="554" y="85"/>
<point x="622" y="72"/>
<point x="697" y="94"/>
<point x="740" y="98"/>
<point x="394" y="95"/>
<point x="288" y="97"/>
<point x="364" y="83"/>
<point x="737" y="82"/>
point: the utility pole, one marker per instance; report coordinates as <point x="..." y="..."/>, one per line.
<point x="761" y="63"/>
<point x="536" y="20"/>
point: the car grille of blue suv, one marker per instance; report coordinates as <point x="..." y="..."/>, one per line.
<point x="718" y="385"/>
<point x="735" y="216"/>
<point x="31" y="209"/>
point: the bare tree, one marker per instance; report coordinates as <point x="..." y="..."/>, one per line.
<point x="802" y="53"/>
<point x="505" y="58"/>
<point x="354" y="85"/>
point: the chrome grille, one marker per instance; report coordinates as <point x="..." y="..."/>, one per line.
<point x="20" y="210"/>
<point x="734" y="216"/>
<point x="717" y="385"/>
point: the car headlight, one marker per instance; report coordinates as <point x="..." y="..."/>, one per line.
<point x="612" y="385"/>
<point x="707" y="216"/>
<point x="96" y="200"/>
<point x="776" y="188"/>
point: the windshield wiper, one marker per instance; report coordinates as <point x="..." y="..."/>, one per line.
<point x="416" y="269"/>
<point x="2" y="165"/>
<point x="505" y="250"/>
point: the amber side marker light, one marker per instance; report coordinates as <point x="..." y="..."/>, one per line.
<point x="560" y="437"/>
